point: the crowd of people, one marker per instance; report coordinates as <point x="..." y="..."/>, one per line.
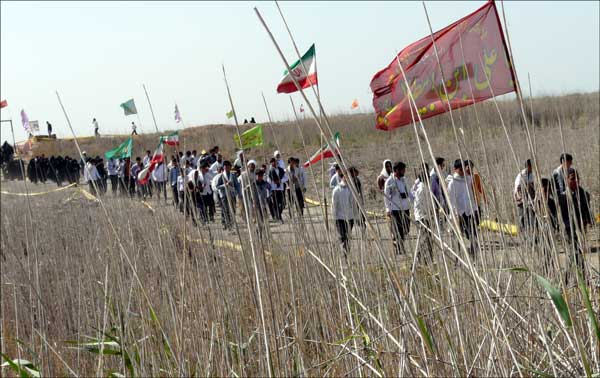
<point x="199" y="183"/>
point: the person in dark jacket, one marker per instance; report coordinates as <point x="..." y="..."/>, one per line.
<point x="576" y="215"/>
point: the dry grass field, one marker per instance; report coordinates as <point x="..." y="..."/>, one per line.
<point x="114" y="286"/>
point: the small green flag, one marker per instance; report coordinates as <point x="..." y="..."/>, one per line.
<point x="121" y="151"/>
<point x="129" y="107"/>
<point x="250" y="138"/>
<point x="229" y="114"/>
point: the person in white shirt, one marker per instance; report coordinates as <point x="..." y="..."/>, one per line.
<point x="423" y="211"/>
<point x="207" y="192"/>
<point x="342" y="211"/>
<point x="277" y="177"/>
<point x="133" y="129"/>
<point x="91" y="175"/>
<point x="524" y="195"/>
<point x="397" y="199"/>
<point x="459" y="196"/>
<point x="214" y="168"/>
<point x="95" y="123"/>
<point x="111" y="169"/>
<point x="280" y="162"/>
<point x="159" y="176"/>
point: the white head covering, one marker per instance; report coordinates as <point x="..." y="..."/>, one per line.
<point x="276" y="153"/>
<point x="251" y="162"/>
<point x="383" y="171"/>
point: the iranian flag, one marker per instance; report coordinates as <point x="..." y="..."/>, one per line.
<point x="158" y="157"/>
<point x="286" y="85"/>
<point x="325" y="152"/>
<point x="172" y="139"/>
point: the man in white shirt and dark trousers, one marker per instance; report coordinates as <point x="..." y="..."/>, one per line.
<point x="524" y="195"/>
<point x="460" y="194"/>
<point x="343" y="212"/>
<point x="397" y="199"/>
<point x="423" y="211"/>
<point x="111" y="168"/>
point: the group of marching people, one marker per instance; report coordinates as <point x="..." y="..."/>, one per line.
<point x="201" y="183"/>
<point x="58" y="169"/>
<point x="560" y="200"/>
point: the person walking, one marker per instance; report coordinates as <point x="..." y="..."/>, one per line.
<point x="159" y="178"/>
<point x="397" y="199"/>
<point x="228" y="189"/>
<point x="49" y="129"/>
<point x="474" y="180"/>
<point x="133" y="129"/>
<point x="91" y="176"/>
<point x="342" y="212"/>
<point x="559" y="173"/>
<point x="436" y="184"/>
<point x="264" y="192"/>
<point x="111" y="168"/>
<point x="96" y="128"/>
<point x="134" y="187"/>
<point x="423" y="212"/>
<point x="174" y="173"/>
<point x="297" y="187"/>
<point x="576" y="216"/>
<point x="359" y="219"/>
<point x="524" y="195"/>
<point x="386" y="171"/>
<point x="277" y="178"/>
<point x="459" y="193"/>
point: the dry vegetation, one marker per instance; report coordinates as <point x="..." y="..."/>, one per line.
<point x="111" y="287"/>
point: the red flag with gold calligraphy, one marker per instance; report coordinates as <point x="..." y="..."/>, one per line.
<point x="469" y="49"/>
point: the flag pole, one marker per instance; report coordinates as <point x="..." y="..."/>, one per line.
<point x="399" y="294"/>
<point x="250" y="236"/>
<point x="151" y="110"/>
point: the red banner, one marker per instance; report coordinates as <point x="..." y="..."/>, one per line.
<point x="468" y="49"/>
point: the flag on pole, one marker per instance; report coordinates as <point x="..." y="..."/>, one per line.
<point x="157" y="157"/>
<point x="25" y="121"/>
<point x="34" y="126"/>
<point x="171" y="139"/>
<point x="122" y="151"/>
<point x="305" y="79"/>
<point x="3" y="104"/>
<point x="129" y="107"/>
<point x="354" y="104"/>
<point x="177" y="115"/>
<point x="324" y="152"/>
<point x="478" y="37"/>
<point x="250" y="138"/>
<point x="229" y="114"/>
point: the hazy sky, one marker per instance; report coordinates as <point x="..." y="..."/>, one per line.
<point x="98" y="54"/>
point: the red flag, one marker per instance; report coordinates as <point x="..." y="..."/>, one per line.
<point x="157" y="157"/>
<point x="3" y="104"/>
<point x="482" y="42"/>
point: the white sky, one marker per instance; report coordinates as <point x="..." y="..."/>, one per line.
<point x="98" y="54"/>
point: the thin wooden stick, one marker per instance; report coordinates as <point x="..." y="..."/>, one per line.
<point x="250" y="236"/>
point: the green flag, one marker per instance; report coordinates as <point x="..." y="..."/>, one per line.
<point x="121" y="151"/>
<point x="129" y="107"/>
<point x="250" y="138"/>
<point x="229" y="114"/>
